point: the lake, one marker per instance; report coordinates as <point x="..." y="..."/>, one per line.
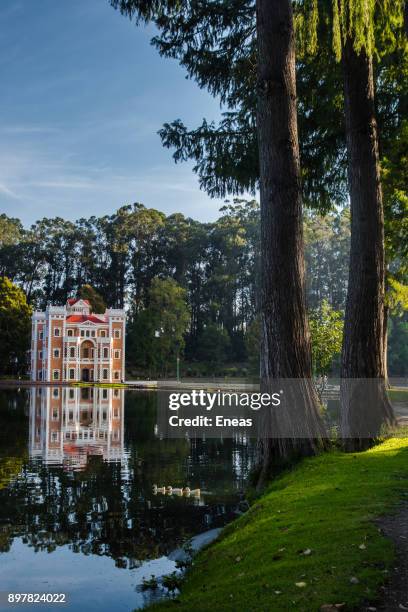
<point x="85" y="507"/>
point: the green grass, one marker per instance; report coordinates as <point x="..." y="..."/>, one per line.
<point x="327" y="504"/>
<point x="92" y="383"/>
<point x="398" y="394"/>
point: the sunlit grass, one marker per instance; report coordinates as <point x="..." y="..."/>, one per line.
<point x="326" y="505"/>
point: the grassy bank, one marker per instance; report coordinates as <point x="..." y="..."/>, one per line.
<point x="309" y="541"/>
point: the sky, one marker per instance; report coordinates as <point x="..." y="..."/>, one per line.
<point x="83" y="94"/>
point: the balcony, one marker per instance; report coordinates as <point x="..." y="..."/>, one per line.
<point x="71" y="338"/>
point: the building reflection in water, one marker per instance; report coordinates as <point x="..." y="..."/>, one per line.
<point x="69" y="424"/>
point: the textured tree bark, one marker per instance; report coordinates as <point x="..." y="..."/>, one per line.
<point x="364" y="405"/>
<point x="285" y="341"/>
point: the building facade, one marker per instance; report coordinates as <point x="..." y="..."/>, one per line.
<point x="71" y="344"/>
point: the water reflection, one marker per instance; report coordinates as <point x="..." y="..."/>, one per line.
<point x="77" y="469"/>
<point x="68" y="425"/>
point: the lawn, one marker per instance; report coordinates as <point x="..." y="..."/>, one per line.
<point x="310" y="540"/>
<point x="398" y="394"/>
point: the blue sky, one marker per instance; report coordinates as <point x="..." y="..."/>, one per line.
<point x="83" y="95"/>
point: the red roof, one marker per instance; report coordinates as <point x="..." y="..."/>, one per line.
<point x="83" y="318"/>
<point x="73" y="301"/>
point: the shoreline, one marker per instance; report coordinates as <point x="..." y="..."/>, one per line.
<point x="316" y="529"/>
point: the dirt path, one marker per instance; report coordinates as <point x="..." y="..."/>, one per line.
<point x="394" y="596"/>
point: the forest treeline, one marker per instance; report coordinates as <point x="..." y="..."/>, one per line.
<point x="217" y="265"/>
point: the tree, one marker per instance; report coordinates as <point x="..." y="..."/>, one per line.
<point x="219" y="51"/>
<point x="87" y="292"/>
<point x="213" y="345"/>
<point x="326" y="328"/>
<point x="285" y="340"/>
<point x="365" y="407"/>
<point x="15" y="323"/>
<point x="162" y="324"/>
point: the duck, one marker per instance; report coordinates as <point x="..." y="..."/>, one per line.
<point x="191" y="492"/>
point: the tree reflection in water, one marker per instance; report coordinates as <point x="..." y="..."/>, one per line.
<point x="87" y="479"/>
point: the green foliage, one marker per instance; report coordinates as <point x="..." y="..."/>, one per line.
<point x="370" y="24"/>
<point x="326" y="329"/>
<point x="327" y="246"/>
<point x="156" y="335"/>
<point x="252" y="343"/>
<point x="15" y="323"/>
<point x="213" y="345"/>
<point x="87" y="292"/>
<point x="397" y="297"/>
<point x="398" y="347"/>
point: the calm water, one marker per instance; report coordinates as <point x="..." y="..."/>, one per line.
<point x="78" y="512"/>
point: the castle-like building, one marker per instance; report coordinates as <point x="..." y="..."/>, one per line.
<point x="71" y="344"/>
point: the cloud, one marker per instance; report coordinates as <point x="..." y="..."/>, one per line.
<point x="28" y="129"/>
<point x="8" y="192"/>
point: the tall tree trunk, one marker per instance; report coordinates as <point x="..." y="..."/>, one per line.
<point x="285" y="341"/>
<point x="364" y="404"/>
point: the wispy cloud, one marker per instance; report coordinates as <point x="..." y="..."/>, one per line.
<point x="8" y="192"/>
<point x="28" y="129"/>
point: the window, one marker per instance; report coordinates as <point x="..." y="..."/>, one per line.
<point x="116" y="393"/>
<point x="116" y="374"/>
<point x="54" y="436"/>
<point x="105" y="353"/>
<point x="71" y="391"/>
<point x="70" y="332"/>
<point x="72" y="351"/>
<point x="41" y="335"/>
<point x="87" y="333"/>
<point x="117" y="354"/>
<point x="92" y="353"/>
<point x="103" y="333"/>
<point x="93" y="333"/>
<point x="55" y="374"/>
<point x="116" y="333"/>
<point x="105" y="374"/>
<point x="85" y="353"/>
<point x="82" y="333"/>
<point x="71" y="377"/>
<point x="55" y="392"/>
<point x="104" y="394"/>
<point x="40" y="355"/>
<point x="91" y="374"/>
<point x="55" y="414"/>
<point x="57" y="332"/>
<point x="56" y="353"/>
